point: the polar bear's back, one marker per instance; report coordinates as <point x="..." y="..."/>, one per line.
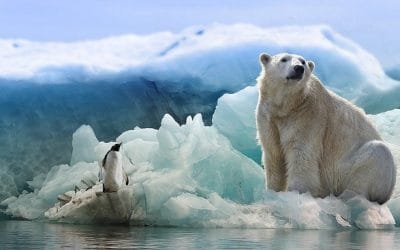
<point x="346" y="122"/>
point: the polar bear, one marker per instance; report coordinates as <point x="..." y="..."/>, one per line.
<point x="315" y="141"/>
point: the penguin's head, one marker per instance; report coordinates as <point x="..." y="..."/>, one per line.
<point x="116" y="147"/>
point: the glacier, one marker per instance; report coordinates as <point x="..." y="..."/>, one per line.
<point x="187" y="169"/>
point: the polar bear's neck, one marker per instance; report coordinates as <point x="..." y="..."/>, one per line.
<point x="281" y="102"/>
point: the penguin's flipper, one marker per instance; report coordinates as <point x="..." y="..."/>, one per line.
<point x="126" y="178"/>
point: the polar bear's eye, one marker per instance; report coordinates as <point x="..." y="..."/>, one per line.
<point x="302" y="61"/>
<point x="284" y="59"/>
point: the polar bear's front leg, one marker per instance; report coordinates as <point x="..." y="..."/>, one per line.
<point x="275" y="171"/>
<point x="303" y="170"/>
<point x="273" y="158"/>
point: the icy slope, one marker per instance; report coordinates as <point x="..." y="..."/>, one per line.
<point x="49" y="89"/>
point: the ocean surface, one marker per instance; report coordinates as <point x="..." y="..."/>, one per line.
<point x="38" y="235"/>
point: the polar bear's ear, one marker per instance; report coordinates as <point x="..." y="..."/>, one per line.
<point x="311" y="65"/>
<point x="265" y="59"/>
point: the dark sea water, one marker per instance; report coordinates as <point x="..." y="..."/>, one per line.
<point x="37" y="235"/>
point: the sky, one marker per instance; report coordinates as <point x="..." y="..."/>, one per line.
<point x="372" y="24"/>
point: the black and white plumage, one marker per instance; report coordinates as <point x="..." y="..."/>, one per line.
<point x="111" y="170"/>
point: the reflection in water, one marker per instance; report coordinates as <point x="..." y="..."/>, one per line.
<point x="27" y="234"/>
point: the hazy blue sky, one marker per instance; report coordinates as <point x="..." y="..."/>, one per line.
<point x="373" y="24"/>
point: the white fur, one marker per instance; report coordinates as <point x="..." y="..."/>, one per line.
<point x="112" y="173"/>
<point x="315" y="141"/>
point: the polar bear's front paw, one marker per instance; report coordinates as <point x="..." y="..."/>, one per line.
<point x="303" y="186"/>
<point x="298" y="187"/>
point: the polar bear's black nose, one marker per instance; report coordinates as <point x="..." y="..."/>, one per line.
<point x="299" y="69"/>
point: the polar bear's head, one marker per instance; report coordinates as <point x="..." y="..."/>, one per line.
<point x="284" y="77"/>
<point x="286" y="68"/>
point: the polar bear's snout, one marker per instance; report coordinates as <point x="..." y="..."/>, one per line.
<point x="298" y="69"/>
<point x="296" y="73"/>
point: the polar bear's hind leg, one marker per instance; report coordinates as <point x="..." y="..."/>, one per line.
<point x="372" y="172"/>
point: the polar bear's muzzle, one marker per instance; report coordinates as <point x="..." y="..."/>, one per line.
<point x="296" y="73"/>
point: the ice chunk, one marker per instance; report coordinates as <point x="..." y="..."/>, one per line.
<point x="367" y="215"/>
<point x="145" y="134"/>
<point x="83" y="143"/>
<point x="63" y="178"/>
<point x="37" y="181"/>
<point x="8" y="186"/>
<point x="388" y="124"/>
<point x="94" y="206"/>
<point x="59" y="180"/>
<point x="394" y="206"/>
<point x="234" y="117"/>
<point x="276" y="210"/>
<point x="139" y="151"/>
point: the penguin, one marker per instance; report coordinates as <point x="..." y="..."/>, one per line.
<point x="111" y="171"/>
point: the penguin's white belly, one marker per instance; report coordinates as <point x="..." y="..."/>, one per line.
<point x="113" y="179"/>
<point x="113" y="172"/>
